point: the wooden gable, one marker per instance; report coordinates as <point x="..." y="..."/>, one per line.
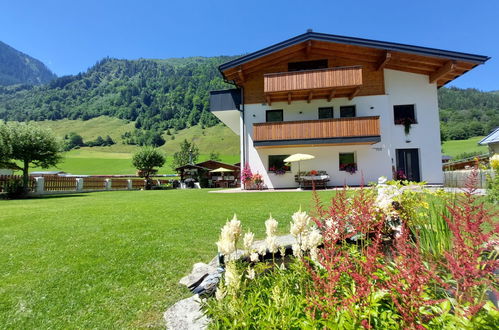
<point x="250" y="74"/>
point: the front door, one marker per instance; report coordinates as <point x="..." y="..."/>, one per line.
<point x="408" y="164"/>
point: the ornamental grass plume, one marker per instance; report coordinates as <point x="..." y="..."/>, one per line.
<point x="471" y="260"/>
<point x="299" y="224"/>
<point x="271" y="230"/>
<point x="409" y="280"/>
<point x="229" y="236"/>
<point x="250" y="273"/>
<point x="254" y="257"/>
<point x="341" y="265"/>
<point x="271" y="226"/>
<point x="248" y="242"/>
<point x="232" y="278"/>
<point x="272" y="246"/>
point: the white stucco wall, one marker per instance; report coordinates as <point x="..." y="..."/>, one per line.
<point x="372" y="160"/>
<point x="410" y="88"/>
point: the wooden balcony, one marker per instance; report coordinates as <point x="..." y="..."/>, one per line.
<point x="313" y="84"/>
<point x="341" y="131"/>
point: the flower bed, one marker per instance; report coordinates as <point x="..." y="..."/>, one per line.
<point x="384" y="257"/>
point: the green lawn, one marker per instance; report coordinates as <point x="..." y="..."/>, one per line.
<point x="113" y="259"/>
<point x="456" y="147"/>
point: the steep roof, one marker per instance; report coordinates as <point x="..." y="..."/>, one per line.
<point x="418" y="50"/>
<point x="491" y="138"/>
<point x="415" y="57"/>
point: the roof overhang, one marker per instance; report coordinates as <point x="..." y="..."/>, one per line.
<point x="440" y="65"/>
<point x="493" y="137"/>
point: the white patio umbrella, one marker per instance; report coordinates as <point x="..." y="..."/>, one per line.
<point x="298" y="158"/>
<point x="221" y="170"/>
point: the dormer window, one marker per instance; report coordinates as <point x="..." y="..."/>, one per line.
<point x="307" y="65"/>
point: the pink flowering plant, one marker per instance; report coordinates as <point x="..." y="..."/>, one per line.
<point x="363" y="260"/>
<point x="247" y="175"/>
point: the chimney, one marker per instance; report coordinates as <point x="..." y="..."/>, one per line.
<point x="310" y="30"/>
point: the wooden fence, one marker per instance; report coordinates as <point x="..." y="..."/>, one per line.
<point x="59" y="183"/>
<point x="138" y="184"/>
<point x="55" y="183"/>
<point x="118" y="184"/>
<point x="5" y="179"/>
<point x="457" y="179"/>
<point x="94" y="183"/>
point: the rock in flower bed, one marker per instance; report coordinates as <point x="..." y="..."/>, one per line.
<point x="360" y="261"/>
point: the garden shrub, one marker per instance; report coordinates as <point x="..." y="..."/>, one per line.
<point x="14" y="188"/>
<point x="364" y="260"/>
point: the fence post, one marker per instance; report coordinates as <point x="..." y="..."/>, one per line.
<point x="39" y="185"/>
<point x="108" y="184"/>
<point x="79" y="184"/>
<point x="130" y="184"/>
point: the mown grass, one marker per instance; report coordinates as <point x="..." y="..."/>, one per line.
<point x="455" y="147"/>
<point x="113" y="259"/>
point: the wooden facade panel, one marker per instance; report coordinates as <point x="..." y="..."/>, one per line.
<point x="313" y="79"/>
<point x="372" y="79"/>
<point x="317" y="129"/>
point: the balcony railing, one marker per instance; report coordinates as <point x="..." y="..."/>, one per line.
<point x="350" y="76"/>
<point x="341" y="128"/>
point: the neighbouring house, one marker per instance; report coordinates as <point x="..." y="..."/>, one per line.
<point x="6" y="171"/>
<point x="48" y="173"/>
<point x="491" y="140"/>
<point x="362" y="108"/>
<point x="203" y="173"/>
<point x="446" y="159"/>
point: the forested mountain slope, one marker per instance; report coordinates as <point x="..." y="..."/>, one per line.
<point x="19" y="68"/>
<point x="174" y="94"/>
<point x="465" y="113"/>
<point x="156" y="94"/>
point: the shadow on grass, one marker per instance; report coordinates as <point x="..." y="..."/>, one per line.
<point x="4" y="198"/>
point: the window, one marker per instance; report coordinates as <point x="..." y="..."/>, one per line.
<point x="325" y="113"/>
<point x="348" y="162"/>
<point x="347" y="111"/>
<point x="277" y="165"/>
<point x="307" y="65"/>
<point x="404" y="114"/>
<point x="273" y="115"/>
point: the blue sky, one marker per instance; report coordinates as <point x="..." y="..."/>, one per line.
<point x="70" y="36"/>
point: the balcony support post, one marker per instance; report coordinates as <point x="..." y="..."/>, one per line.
<point x="269" y="100"/>
<point x="355" y="92"/>
<point x="331" y="95"/>
<point x="309" y="98"/>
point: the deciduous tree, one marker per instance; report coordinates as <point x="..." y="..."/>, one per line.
<point x="146" y="160"/>
<point x="187" y="154"/>
<point x="30" y="145"/>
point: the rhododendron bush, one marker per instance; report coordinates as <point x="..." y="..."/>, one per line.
<point x="357" y="262"/>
